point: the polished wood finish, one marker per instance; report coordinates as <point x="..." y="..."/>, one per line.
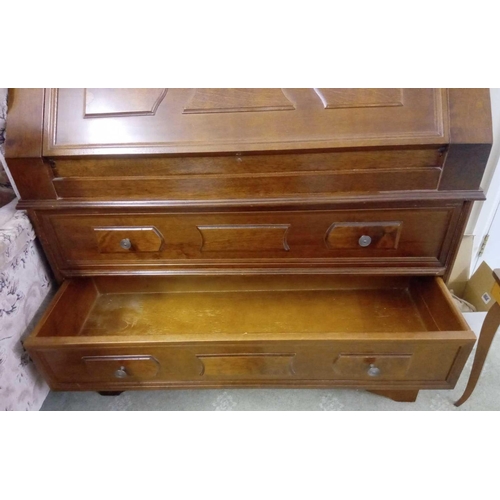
<point x="461" y="168"/>
<point x="360" y="98"/>
<point x="128" y="239"/>
<point x="367" y="367"/>
<point x="202" y="331"/>
<point x="315" y="202"/>
<point x="399" y="396"/>
<point x="243" y="185"/>
<point x="257" y="177"/>
<point x="136" y="367"/>
<point x="486" y="336"/>
<point x="244" y="238"/>
<point x="470" y="139"/>
<point x="33" y="178"/>
<point x="296" y="122"/>
<point x="252" y="205"/>
<point x="383" y="159"/>
<point x="377" y="235"/>
<point x="244" y="366"/>
<point x="102" y="103"/>
<point x="403" y="236"/>
<point x="462" y="160"/>
<point x="25" y="123"/>
<point x="470" y="116"/>
<point x="237" y="100"/>
<point x="23" y="144"/>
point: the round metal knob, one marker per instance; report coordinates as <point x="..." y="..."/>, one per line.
<point x="121" y="372"/>
<point x="364" y="241"/>
<point x="373" y="371"/>
<point x="126" y="244"/>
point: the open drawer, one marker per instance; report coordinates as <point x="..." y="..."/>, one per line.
<point x="130" y="332"/>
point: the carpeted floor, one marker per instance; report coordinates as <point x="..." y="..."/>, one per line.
<point x="486" y="396"/>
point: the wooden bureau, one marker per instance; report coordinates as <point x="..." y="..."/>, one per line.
<point x="250" y="237"/>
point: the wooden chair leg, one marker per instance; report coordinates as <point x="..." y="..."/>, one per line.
<point x="486" y="336"/>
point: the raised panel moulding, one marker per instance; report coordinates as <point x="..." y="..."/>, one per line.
<point x="244" y="238"/>
<point x="106" y="366"/>
<point x="239" y="366"/>
<point x="360" y="98"/>
<point x="373" y="366"/>
<point x="139" y="239"/>
<point x="382" y="235"/>
<point x="223" y="121"/>
<point x="237" y="101"/>
<point x="104" y="103"/>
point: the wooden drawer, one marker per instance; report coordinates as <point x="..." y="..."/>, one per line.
<point x="248" y="176"/>
<point x="134" y="332"/>
<point x="400" y="235"/>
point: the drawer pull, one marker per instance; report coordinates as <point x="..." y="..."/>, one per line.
<point x="121" y="372"/>
<point x="126" y="244"/>
<point x="364" y="241"/>
<point x="373" y="371"/>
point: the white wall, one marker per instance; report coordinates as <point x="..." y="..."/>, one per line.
<point x="483" y="213"/>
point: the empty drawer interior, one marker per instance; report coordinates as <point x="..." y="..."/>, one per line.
<point x="244" y="307"/>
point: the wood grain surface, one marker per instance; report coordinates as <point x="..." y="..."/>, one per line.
<point x="250" y="237"/>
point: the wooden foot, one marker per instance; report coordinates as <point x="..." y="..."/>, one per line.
<point x="486" y="336"/>
<point x="109" y="393"/>
<point x="403" y="396"/>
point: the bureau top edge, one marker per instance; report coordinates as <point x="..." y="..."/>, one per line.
<point x="104" y="122"/>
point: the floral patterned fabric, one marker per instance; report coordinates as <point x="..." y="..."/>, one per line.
<point x="24" y="291"/>
<point x="6" y="192"/>
<point x="3" y="117"/>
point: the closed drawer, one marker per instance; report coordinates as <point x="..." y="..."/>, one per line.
<point x="131" y="332"/>
<point x="401" y="235"/>
<point x="248" y="176"/>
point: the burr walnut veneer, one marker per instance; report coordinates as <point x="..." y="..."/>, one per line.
<point x="250" y="237"/>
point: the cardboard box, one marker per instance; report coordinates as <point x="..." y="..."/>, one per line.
<point x="460" y="272"/>
<point x="479" y="287"/>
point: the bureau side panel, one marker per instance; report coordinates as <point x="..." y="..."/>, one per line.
<point x="23" y="145"/>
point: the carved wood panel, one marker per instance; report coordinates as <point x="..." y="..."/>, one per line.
<point x="105" y="367"/>
<point x="360" y="98"/>
<point x="155" y="121"/>
<point x="128" y="102"/>
<point x="237" y="100"/>
<point x="380" y="235"/>
<point x="372" y="366"/>
<point x="236" y="366"/>
<point x="244" y="238"/>
<point x="128" y="239"/>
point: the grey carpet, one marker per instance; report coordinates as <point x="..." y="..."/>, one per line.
<point x="486" y="396"/>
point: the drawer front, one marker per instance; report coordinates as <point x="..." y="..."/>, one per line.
<point x="372" y="366"/>
<point x="120" y="367"/>
<point x="336" y="363"/>
<point x="400" y="236"/>
<point x="247" y="177"/>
